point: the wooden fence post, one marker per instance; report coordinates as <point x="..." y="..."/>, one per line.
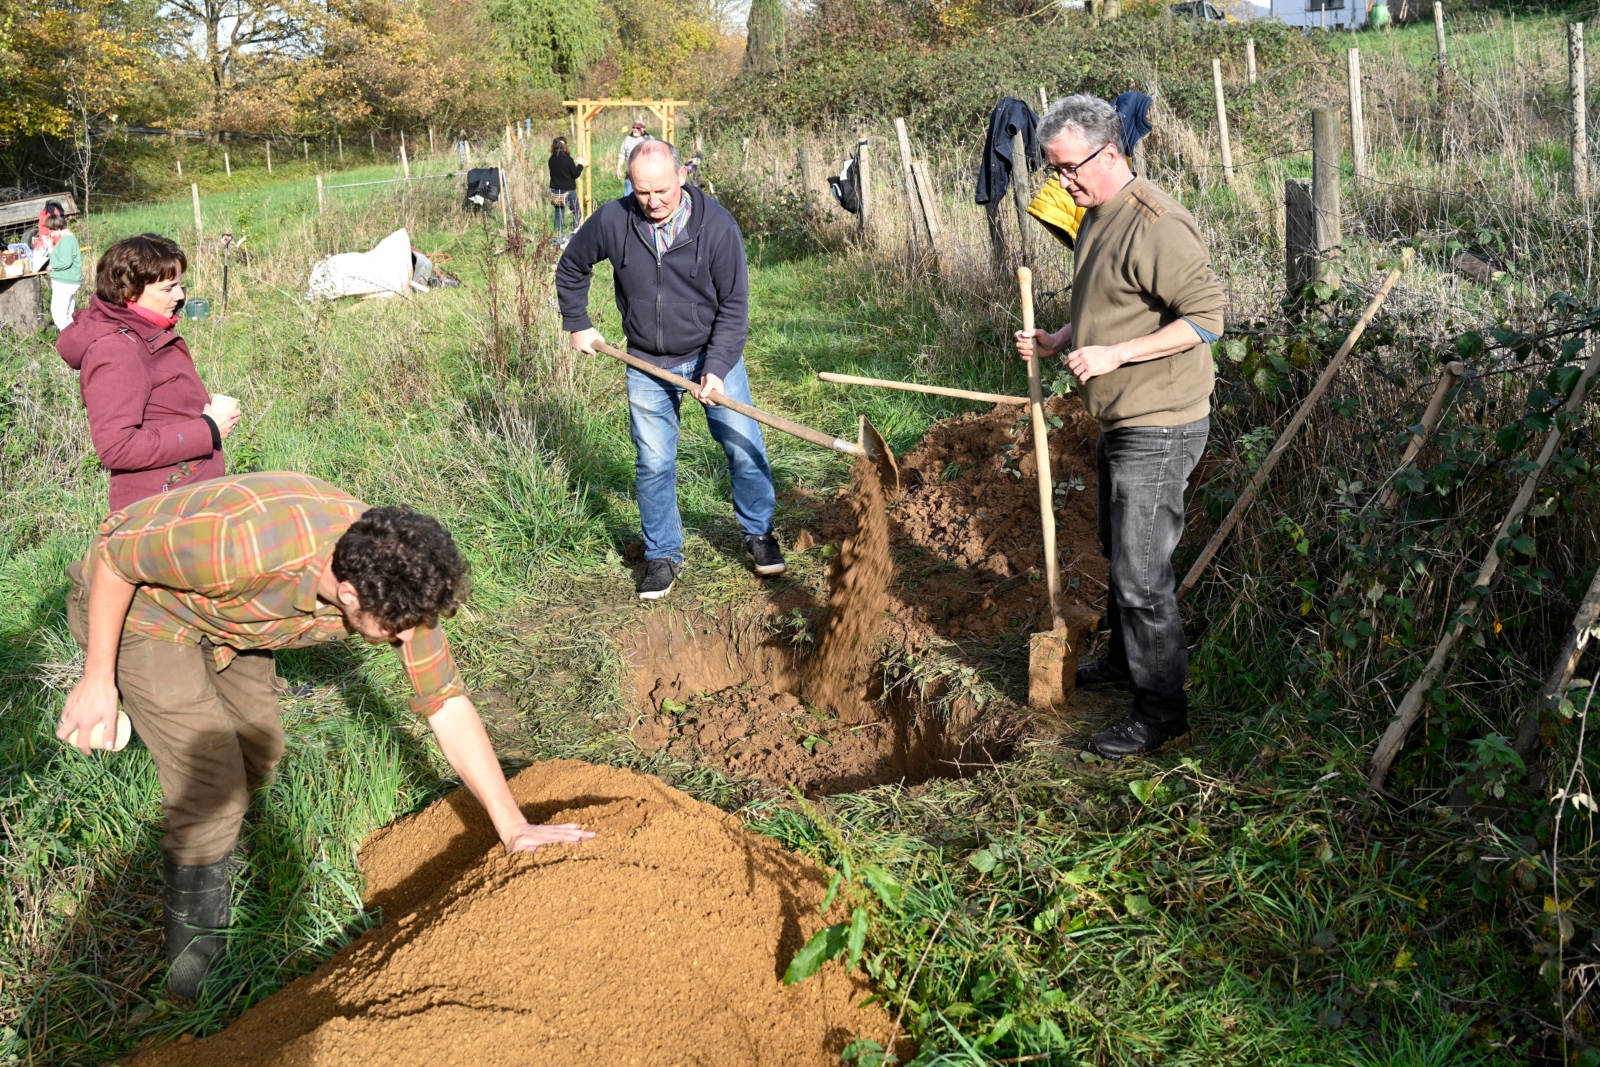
<point x="305" y="149"/>
<point x="864" y="182"/>
<point x="227" y="164"/>
<point x="180" y="168"/>
<point x="912" y="208"/>
<point x="319" y="194"/>
<point x="194" y="192"/>
<point x="405" y="163"/>
<point x="269" y="155"/>
<point x="930" y="211"/>
<point x="1021" y="193"/>
<point x="1250" y="60"/>
<point x="1326" y="140"/>
<point x="372" y="141"/>
<point x="1222" y="122"/>
<point x="1299" y="236"/>
<point x="1044" y="100"/>
<point x="803" y="160"/>
<point x="431" y="151"/>
<point x="1438" y="38"/>
<point x="1578" y="100"/>
<point x="1358" y="125"/>
<point x="340" y="136"/>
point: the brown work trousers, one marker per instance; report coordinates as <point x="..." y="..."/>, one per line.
<point x="214" y="734"/>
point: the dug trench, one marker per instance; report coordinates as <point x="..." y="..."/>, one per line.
<point x="867" y="676"/>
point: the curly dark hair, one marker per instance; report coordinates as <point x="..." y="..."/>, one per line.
<point x="404" y="565"/>
<point x="135" y="262"/>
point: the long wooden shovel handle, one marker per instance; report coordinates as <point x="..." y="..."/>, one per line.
<point x="917" y="387"/>
<point x="1251" y="490"/>
<point x="777" y="422"/>
<point x="1041" y="450"/>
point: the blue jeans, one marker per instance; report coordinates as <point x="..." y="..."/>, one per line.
<point x="653" y="415"/>
<point x="1143" y="471"/>
<point x="627" y="187"/>
<point x="572" y="206"/>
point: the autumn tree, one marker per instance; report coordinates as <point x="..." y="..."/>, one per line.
<point x="763" y="49"/>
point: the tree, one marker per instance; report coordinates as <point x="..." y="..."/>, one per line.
<point x="550" y="41"/>
<point x="763" y="49"/>
<point x="240" y="43"/>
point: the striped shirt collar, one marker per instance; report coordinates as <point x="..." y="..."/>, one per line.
<point x="665" y="232"/>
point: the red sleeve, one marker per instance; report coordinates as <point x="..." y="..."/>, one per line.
<point x="115" y="391"/>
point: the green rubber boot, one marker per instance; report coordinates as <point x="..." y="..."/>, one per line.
<point x="196" y="922"/>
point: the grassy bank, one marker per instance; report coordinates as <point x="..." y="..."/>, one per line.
<point x="1237" y="901"/>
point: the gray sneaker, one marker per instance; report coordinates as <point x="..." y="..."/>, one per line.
<point x="659" y="574"/>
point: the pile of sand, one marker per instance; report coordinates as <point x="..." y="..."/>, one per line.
<point x="662" y="941"/>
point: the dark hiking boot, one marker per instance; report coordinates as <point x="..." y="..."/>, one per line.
<point x="765" y="554"/>
<point x="196" y="922"/>
<point x="1134" y="737"/>
<point x="1100" y="672"/>
<point x="659" y="574"/>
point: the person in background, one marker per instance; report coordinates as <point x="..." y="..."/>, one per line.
<point x="637" y="135"/>
<point x="565" y="170"/>
<point x="150" y="417"/>
<point x="1146" y="306"/>
<point x="66" y="265"/>
<point x="683" y="287"/>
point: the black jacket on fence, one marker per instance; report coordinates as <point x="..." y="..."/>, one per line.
<point x="1009" y="117"/>
<point x="692" y="301"/>
<point x="564" y="171"/>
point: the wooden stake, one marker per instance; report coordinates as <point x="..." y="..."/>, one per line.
<point x="227" y="164"/>
<point x="1578" y="102"/>
<point x="1044" y="100"/>
<point x="1041" y="450"/>
<point x="930" y="212"/>
<point x="431" y="151"/>
<point x="405" y="163"/>
<point x="1438" y="38"/>
<point x="319" y="194"/>
<point x="1411" y="706"/>
<point x="340" y="136"/>
<point x="194" y="192"/>
<point x="864" y="183"/>
<point x="505" y="203"/>
<point x="305" y="149"/>
<point x="1299" y="236"/>
<point x="1222" y="122"/>
<point x="1253" y="489"/>
<point x="912" y="207"/>
<point x="269" y="157"/>
<point x="180" y="168"/>
<point x="1250" y="60"/>
<point x="1326" y="141"/>
<point x="1020" y="195"/>
<point x="1358" y="125"/>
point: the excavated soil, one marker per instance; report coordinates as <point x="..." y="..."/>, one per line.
<point x="955" y="560"/>
<point x="660" y="942"/>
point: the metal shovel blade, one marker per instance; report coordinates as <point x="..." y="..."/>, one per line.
<point x="872" y="443"/>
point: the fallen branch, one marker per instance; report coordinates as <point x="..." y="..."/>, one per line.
<point x="1411" y="707"/>
<point x="1253" y="489"/>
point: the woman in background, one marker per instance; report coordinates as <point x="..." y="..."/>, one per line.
<point x="151" y="419"/>
<point x="66" y="265"/>
<point x="564" y="172"/>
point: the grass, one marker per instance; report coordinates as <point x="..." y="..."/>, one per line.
<point x="1237" y="902"/>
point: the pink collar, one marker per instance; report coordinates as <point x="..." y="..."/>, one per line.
<point x="152" y="317"/>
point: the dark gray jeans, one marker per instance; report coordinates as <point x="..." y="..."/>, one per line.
<point x="1143" y="472"/>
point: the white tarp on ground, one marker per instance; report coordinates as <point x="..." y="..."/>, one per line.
<point x="385" y="269"/>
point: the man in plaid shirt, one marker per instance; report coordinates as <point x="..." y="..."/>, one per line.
<point x="180" y="603"/>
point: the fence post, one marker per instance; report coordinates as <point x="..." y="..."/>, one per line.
<point x="930" y="213"/>
<point x="1578" y="101"/>
<point x="405" y="163"/>
<point x="227" y="164"/>
<point x="1299" y="236"/>
<point x="1438" y="38"/>
<point x="372" y="142"/>
<point x="1021" y="193"/>
<point x="1044" y="100"/>
<point x="340" y="136"/>
<point x="305" y="149"/>
<point x="505" y="203"/>
<point x="1222" y="122"/>
<point x="912" y="209"/>
<point x="269" y="155"/>
<point x="865" y="193"/>
<point x="319" y="194"/>
<point x="1358" y="124"/>
<point x="194" y="191"/>
<point x="803" y="159"/>
<point x="1250" y="60"/>
<point x="431" y="151"/>
<point x="180" y="168"/>
<point x="1326" y="140"/>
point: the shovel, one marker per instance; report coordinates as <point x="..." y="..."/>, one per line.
<point x="1052" y="663"/>
<point x="868" y="443"/>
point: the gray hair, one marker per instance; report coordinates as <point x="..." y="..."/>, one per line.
<point x="1090" y="117"/>
<point x="653" y="147"/>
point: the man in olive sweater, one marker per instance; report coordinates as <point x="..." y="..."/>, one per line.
<point x="1145" y="307"/>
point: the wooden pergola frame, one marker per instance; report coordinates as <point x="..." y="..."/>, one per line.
<point x="583" y="114"/>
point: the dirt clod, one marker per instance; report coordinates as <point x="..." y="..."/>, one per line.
<point x="662" y="941"/>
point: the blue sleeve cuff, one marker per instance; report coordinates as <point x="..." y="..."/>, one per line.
<point x="1205" y="335"/>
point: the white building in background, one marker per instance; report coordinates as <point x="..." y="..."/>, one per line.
<point x="1333" y="14"/>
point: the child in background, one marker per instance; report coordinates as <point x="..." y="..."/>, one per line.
<point x="66" y="265"/>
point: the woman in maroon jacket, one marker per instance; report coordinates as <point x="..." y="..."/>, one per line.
<point x="150" y="417"/>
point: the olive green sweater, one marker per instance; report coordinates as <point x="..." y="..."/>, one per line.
<point x="1141" y="264"/>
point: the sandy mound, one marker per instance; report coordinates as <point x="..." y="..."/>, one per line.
<point x="661" y="941"/>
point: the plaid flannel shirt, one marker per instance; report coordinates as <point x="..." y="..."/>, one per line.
<point x="237" y="560"/>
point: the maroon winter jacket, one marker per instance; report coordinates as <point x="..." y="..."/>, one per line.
<point x="144" y="397"/>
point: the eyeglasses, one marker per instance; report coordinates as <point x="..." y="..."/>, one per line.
<point x="1070" y="170"/>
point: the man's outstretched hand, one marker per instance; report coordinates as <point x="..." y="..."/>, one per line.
<point x="585" y="340"/>
<point x="709" y="383"/>
<point x="92" y="702"/>
<point x="531" y="836"/>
